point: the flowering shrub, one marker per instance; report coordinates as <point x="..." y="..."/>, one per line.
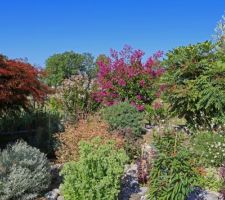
<point x="126" y="77"/>
<point x="74" y="97"/>
<point x="209" y="148"/>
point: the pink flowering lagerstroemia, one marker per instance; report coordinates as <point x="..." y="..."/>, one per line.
<point x="125" y="77"/>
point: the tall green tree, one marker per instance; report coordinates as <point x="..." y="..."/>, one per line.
<point x="63" y="65"/>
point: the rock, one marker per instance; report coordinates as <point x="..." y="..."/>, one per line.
<point x="56" y="179"/>
<point x="199" y="194"/>
<point x="129" y="183"/>
<point x="143" y="191"/>
<point x="60" y="198"/>
<point x="56" y="190"/>
<point x="52" y="195"/>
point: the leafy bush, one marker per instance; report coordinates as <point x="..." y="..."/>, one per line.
<point x="169" y="142"/>
<point x="124" y="116"/>
<point x="24" y="172"/>
<point x="172" y="177"/>
<point x="209" y="147"/>
<point x="132" y="144"/>
<point x="174" y="172"/>
<point x="75" y="95"/>
<point x="123" y="76"/>
<point x="155" y="113"/>
<point x="96" y="175"/>
<point x="196" y="84"/>
<point x="36" y="127"/>
<point x="85" y="130"/>
<point x="19" y="85"/>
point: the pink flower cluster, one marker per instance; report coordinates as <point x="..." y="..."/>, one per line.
<point x="126" y="77"/>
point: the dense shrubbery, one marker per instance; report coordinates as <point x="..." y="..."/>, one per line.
<point x="37" y="127"/>
<point x="75" y="95"/>
<point x="24" y="172"/>
<point x="124" y="116"/>
<point x="96" y="175"/>
<point x="124" y="77"/>
<point x="173" y="174"/>
<point x="196" y="84"/>
<point x="209" y="147"/>
<point x="84" y="130"/>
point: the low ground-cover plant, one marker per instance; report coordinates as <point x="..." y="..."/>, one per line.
<point x="211" y="179"/>
<point x="97" y="174"/>
<point x="209" y="147"/>
<point x="124" y="76"/>
<point x="24" y="172"/>
<point x="124" y="116"/>
<point x="195" y="84"/>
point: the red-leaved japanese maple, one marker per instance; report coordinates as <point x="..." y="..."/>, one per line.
<point x="19" y="81"/>
<point x="125" y="77"/>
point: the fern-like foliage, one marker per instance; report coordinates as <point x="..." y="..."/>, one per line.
<point x="196" y="84"/>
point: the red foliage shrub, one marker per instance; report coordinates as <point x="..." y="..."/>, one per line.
<point x="19" y="81"/>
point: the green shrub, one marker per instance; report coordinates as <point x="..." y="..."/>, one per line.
<point x="209" y="148"/>
<point x="96" y="176"/>
<point x="124" y="116"/>
<point x="172" y="177"/>
<point x="37" y="125"/>
<point x="169" y="142"/>
<point x="24" y="172"/>
<point x="174" y="172"/>
<point x="195" y="79"/>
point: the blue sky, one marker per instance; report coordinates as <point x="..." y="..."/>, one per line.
<point x="37" y="29"/>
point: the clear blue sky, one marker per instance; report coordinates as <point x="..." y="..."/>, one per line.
<point x="37" y="29"/>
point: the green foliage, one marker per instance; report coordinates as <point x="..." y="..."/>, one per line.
<point x="132" y="144"/>
<point x="196" y="84"/>
<point x="37" y="127"/>
<point x="156" y="113"/>
<point x="173" y="174"/>
<point x="96" y="176"/>
<point x="24" y="172"/>
<point x="209" y="148"/>
<point x="211" y="180"/>
<point x="169" y="142"/>
<point x="172" y="177"/>
<point x="63" y="66"/>
<point x="76" y="97"/>
<point x="124" y="116"/>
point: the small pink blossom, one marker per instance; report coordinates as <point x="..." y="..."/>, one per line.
<point x="142" y="83"/>
<point x="121" y="82"/>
